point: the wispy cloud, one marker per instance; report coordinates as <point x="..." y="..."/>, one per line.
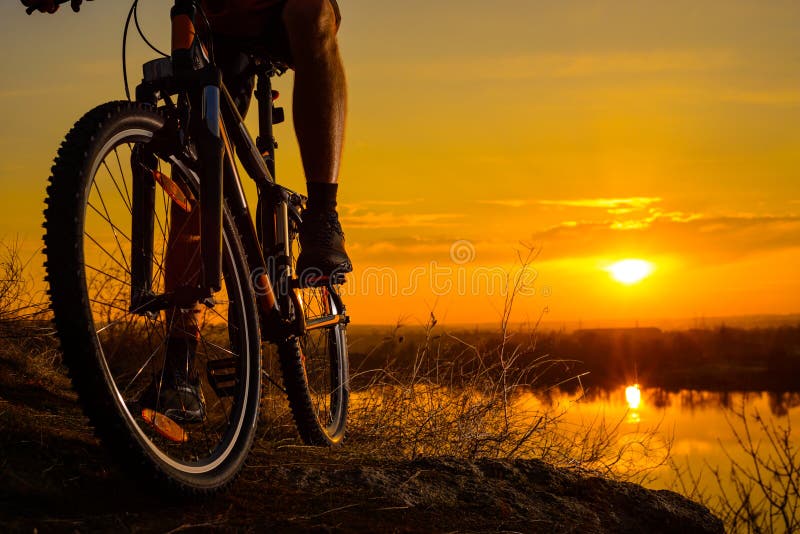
<point x="510" y="203"/>
<point x="693" y="236"/>
<point x="366" y="204"/>
<point x="612" y="205"/>
<point x="377" y="219"/>
<point x="629" y="203"/>
<point x="423" y="250"/>
<point x="383" y="214"/>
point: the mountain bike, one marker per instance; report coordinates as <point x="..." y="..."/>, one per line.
<point x="125" y="177"/>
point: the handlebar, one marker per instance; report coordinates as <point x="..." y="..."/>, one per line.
<point x="31" y="9"/>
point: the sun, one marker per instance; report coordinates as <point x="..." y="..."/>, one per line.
<point x="630" y="271"/>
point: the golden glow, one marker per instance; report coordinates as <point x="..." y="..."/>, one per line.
<point x="630" y="271"/>
<point x="599" y="144"/>
<point x="633" y="395"/>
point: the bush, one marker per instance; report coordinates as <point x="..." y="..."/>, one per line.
<point x="761" y="494"/>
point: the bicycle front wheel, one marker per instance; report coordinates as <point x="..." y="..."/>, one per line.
<point x="117" y="353"/>
<point x="315" y="365"/>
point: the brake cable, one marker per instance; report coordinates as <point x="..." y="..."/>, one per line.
<point x="141" y="33"/>
<point x="124" y="44"/>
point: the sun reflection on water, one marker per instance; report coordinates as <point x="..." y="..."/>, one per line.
<point x="633" y="395"/>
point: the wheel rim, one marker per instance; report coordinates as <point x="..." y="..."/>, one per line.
<point x="132" y="347"/>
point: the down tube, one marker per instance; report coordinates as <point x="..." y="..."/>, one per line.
<point x="237" y="205"/>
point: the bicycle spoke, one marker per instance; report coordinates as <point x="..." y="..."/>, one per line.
<point x="226" y="411"/>
<point x="125" y="200"/>
<point x="101" y="247"/>
<point x="164" y="235"/>
<point x="109" y="325"/>
<point x="106" y="304"/>
<point x="116" y="238"/>
<point x="221" y="349"/>
<point x="215" y="312"/>
<point x="114" y="226"/>
<point x="141" y="369"/>
<point x="106" y="274"/>
<point x="122" y="176"/>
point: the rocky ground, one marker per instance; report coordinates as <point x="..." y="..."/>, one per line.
<point x="57" y="477"/>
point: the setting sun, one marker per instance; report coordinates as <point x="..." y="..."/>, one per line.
<point x="630" y="271"/>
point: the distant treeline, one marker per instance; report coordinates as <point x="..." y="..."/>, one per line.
<point x="718" y="359"/>
<point x="721" y="359"/>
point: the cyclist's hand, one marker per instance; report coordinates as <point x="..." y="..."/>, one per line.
<point x="51" y="6"/>
<point x="45" y="6"/>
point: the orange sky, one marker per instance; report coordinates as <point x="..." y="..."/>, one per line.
<point x="597" y="131"/>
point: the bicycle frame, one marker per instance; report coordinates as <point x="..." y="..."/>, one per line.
<point x="218" y="131"/>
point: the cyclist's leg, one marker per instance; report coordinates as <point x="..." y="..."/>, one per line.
<point x="320" y="91"/>
<point x="301" y="33"/>
<point x="320" y="104"/>
<point x="182" y="268"/>
<point x="177" y="391"/>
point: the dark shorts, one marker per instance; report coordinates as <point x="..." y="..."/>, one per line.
<point x="257" y="27"/>
<point x="232" y="50"/>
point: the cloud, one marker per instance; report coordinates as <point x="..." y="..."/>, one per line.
<point x="618" y="206"/>
<point x="697" y="237"/>
<point x="424" y="249"/>
<point x="514" y="203"/>
<point x="694" y="238"/>
<point x="374" y="219"/>
<point x="621" y="205"/>
<point x="365" y="204"/>
<point x="385" y="250"/>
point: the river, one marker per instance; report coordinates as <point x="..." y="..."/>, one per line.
<point x="699" y="427"/>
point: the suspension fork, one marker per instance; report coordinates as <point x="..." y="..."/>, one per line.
<point x="142" y="226"/>
<point x="204" y="124"/>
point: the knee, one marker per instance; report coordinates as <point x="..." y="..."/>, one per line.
<point x="312" y="21"/>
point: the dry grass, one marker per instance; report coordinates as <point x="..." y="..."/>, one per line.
<point x="760" y="493"/>
<point x="26" y="336"/>
<point x="473" y="403"/>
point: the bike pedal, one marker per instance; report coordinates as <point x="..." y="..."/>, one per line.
<point x="222" y="376"/>
<point x="320" y="281"/>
